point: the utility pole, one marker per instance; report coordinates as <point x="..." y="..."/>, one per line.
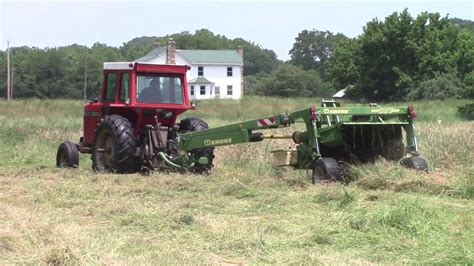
<point x="85" y="79"/>
<point x="8" y="71"/>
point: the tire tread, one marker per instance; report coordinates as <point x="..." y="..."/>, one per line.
<point x="196" y="124"/>
<point x="125" y="142"/>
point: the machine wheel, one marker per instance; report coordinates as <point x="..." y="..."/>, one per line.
<point x="196" y="124"/>
<point x="114" y="146"/>
<point x="326" y="168"/>
<point x="67" y="156"/>
<point x="415" y="162"/>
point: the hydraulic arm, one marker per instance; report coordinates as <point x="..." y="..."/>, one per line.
<point x="329" y="128"/>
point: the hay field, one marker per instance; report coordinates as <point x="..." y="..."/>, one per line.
<point x="245" y="212"/>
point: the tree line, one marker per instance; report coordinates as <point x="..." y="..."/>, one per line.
<point x="398" y="58"/>
<point x="402" y="57"/>
<point x="61" y="72"/>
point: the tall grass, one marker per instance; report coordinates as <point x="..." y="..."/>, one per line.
<point x="245" y="212"/>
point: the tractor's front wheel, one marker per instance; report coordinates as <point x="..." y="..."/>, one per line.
<point x="114" y="146"/>
<point x="326" y="168"/>
<point x="67" y="156"/>
<point x="196" y="124"/>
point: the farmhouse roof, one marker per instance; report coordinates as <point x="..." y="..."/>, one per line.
<point x="200" y="57"/>
<point x="152" y="54"/>
<point x="204" y="57"/>
<point x="200" y="80"/>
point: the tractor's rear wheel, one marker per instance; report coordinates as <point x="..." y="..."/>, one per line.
<point x="114" y="146"/>
<point x="326" y="168"/>
<point x="196" y="124"/>
<point x="67" y="156"/>
<point x="415" y="162"/>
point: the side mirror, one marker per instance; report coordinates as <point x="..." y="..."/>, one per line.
<point x="193" y="104"/>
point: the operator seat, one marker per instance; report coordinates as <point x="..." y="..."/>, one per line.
<point x="151" y="94"/>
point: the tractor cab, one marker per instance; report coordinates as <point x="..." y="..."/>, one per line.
<point x="145" y="94"/>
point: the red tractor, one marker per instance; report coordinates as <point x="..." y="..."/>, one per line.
<point x="134" y="124"/>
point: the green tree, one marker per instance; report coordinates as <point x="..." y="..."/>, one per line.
<point x="137" y="47"/>
<point x="396" y="55"/>
<point x="342" y="69"/>
<point x="466" y="61"/>
<point x="256" y="84"/>
<point x="386" y="61"/>
<point x="293" y="81"/>
<point x="312" y="49"/>
<point x="257" y="59"/>
<point x="463" y="23"/>
<point x="98" y="54"/>
<point x="30" y="71"/>
<point x="3" y="74"/>
<point x="442" y="86"/>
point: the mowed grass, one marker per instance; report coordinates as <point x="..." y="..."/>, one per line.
<point x="245" y="212"/>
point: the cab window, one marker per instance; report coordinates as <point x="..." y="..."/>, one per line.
<point x="159" y="89"/>
<point x="110" y="87"/>
<point x="124" y="86"/>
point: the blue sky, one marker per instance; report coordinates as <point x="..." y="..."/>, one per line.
<point x="272" y="24"/>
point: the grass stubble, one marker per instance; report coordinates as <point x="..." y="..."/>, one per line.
<point x="245" y="212"/>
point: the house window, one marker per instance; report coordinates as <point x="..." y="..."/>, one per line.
<point x="229" y="71"/>
<point x="201" y="71"/>
<point x="229" y="90"/>
<point x="203" y="90"/>
<point x="110" y="88"/>
<point x="192" y="90"/>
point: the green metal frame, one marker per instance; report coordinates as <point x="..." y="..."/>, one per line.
<point x="323" y="128"/>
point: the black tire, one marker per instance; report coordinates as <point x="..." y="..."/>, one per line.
<point x="326" y="168"/>
<point x="67" y="156"/>
<point x="196" y="124"/>
<point x="415" y="162"/>
<point x="114" y="146"/>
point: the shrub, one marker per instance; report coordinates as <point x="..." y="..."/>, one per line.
<point x="290" y="81"/>
<point x="466" y="111"/>
<point x="442" y="86"/>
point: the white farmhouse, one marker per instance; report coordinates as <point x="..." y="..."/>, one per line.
<point x="213" y="74"/>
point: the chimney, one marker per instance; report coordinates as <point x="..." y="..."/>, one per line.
<point x="240" y="50"/>
<point x="171" y="52"/>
